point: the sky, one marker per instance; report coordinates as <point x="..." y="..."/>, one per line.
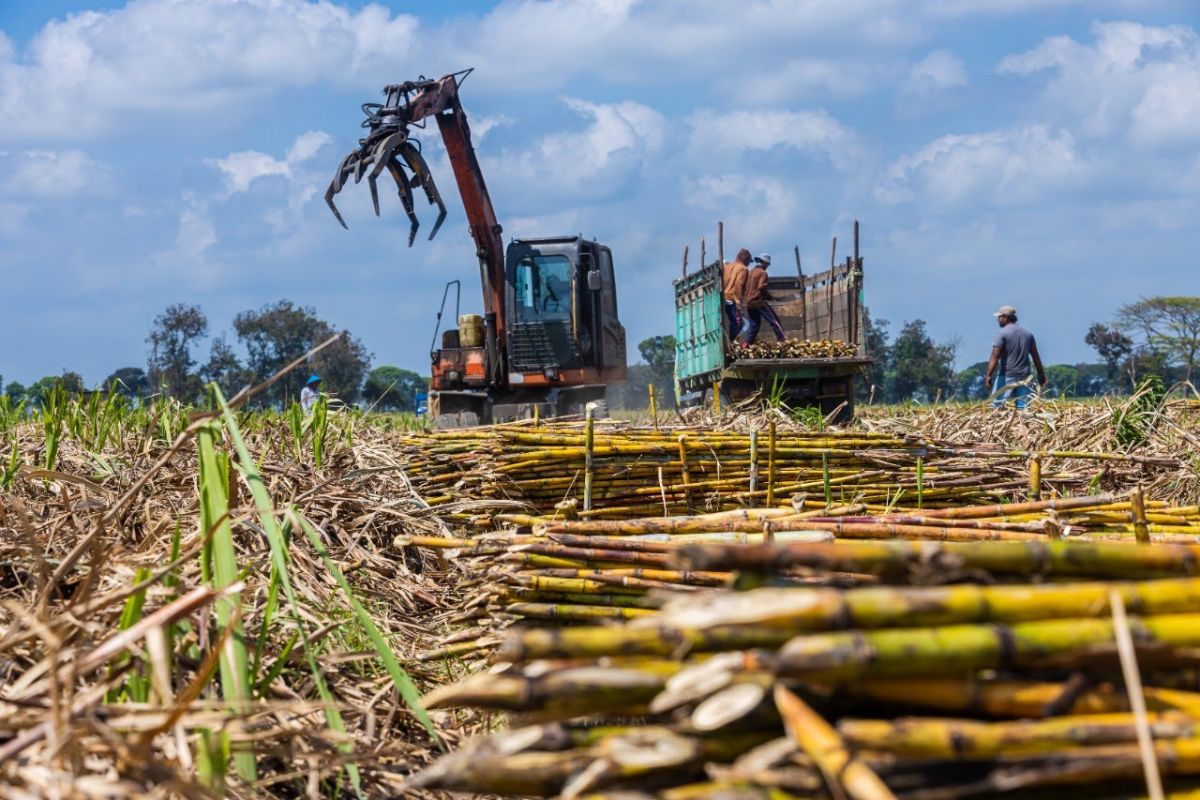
<point x="1038" y="153"/>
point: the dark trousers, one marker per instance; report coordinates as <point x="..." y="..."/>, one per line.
<point x="754" y="320"/>
<point x="735" y="318"/>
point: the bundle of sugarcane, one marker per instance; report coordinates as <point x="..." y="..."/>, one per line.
<point x="715" y="676"/>
<point x="797" y="348"/>
<point x="589" y="570"/>
<point x="636" y="472"/>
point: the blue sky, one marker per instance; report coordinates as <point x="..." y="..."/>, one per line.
<point x="1042" y="153"/>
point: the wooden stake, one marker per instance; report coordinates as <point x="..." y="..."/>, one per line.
<point x="662" y="488"/>
<point x="685" y="254"/>
<point x="589" y="443"/>
<point x="721" y="242"/>
<point x="653" y="407"/>
<point x="717" y="398"/>
<point x="856" y="294"/>
<point x="753" y="466"/>
<point x="1035" y="476"/>
<point x="771" y="465"/>
<point x="683" y="468"/>
<point x="1137" y="699"/>
<point x="1137" y="501"/>
<point x="829" y="291"/>
<point x="803" y="298"/>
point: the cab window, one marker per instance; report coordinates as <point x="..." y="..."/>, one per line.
<point x="543" y="288"/>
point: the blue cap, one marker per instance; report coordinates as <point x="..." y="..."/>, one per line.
<point x="314" y="378"/>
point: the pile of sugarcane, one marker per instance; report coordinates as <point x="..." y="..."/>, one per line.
<point x="622" y="471"/>
<point x="861" y="669"/>
<point x="797" y="348"/>
<point x="573" y="571"/>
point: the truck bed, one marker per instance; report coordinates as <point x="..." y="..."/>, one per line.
<point x="796" y="363"/>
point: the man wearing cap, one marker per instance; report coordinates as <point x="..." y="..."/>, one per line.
<point x="757" y="307"/>
<point x="1012" y="351"/>
<point x="310" y="392"/>
<point x="733" y="286"/>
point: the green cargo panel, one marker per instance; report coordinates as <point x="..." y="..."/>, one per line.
<point x="699" y="337"/>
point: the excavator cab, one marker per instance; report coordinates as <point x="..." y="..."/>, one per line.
<point x="562" y="311"/>
<point x="549" y="339"/>
<point x="563" y="338"/>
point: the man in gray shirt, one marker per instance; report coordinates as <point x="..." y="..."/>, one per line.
<point x="1012" y="351"/>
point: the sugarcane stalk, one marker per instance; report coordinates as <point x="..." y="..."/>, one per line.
<point x="1137" y="501"/>
<point x="821" y="742"/>
<point x="899" y="558"/>
<point x="820" y="608"/>
<point x="771" y="446"/>
<point x="955" y="739"/>
<point x="1011" y="698"/>
<point x="570" y="612"/>
<point x="589" y="468"/>
<point x="952" y="649"/>
<point x="753" y="465"/>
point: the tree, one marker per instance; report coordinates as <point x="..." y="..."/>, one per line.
<point x="15" y="391"/>
<point x="393" y="389"/>
<point x="659" y="354"/>
<point x="1171" y="326"/>
<point x="71" y="382"/>
<point x="970" y="382"/>
<point x="1111" y="344"/>
<point x="634" y="393"/>
<point x="920" y="368"/>
<point x="171" y="340"/>
<point x="278" y="334"/>
<point x="224" y="369"/>
<point x="875" y="342"/>
<point x="1146" y="361"/>
<point x="128" y="381"/>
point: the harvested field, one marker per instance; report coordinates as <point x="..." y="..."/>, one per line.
<point x="243" y="603"/>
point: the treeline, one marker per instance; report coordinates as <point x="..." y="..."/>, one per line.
<point x="270" y="337"/>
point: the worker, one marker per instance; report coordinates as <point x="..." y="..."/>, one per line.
<point x="733" y="287"/>
<point x="310" y="392"/>
<point x="1012" y="351"/>
<point x="757" y="307"/>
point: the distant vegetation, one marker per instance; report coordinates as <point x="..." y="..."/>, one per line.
<point x="1154" y="337"/>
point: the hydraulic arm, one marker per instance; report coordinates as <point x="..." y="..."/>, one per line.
<point x="390" y="144"/>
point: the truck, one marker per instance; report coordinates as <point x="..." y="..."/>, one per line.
<point x="549" y="340"/>
<point x="825" y="306"/>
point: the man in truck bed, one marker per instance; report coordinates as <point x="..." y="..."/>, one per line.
<point x="733" y="286"/>
<point x="757" y="307"/>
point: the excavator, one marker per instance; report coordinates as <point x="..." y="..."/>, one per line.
<point x="550" y="340"/>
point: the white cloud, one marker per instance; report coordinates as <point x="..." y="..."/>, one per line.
<point x="1004" y="167"/>
<point x="48" y="174"/>
<point x="962" y="8"/>
<point x="197" y="233"/>
<point x="242" y="168"/>
<point x="937" y="72"/>
<point x="807" y="77"/>
<point x="93" y="71"/>
<point x="755" y="208"/>
<point x="618" y="142"/>
<point x="1137" y="82"/>
<point x="728" y="133"/>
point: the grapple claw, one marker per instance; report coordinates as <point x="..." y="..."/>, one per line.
<point x="374" y="191"/>
<point x="387" y="145"/>
<point x="329" y="193"/>
<point x="438" y="224"/>
<point x="406" y="198"/>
